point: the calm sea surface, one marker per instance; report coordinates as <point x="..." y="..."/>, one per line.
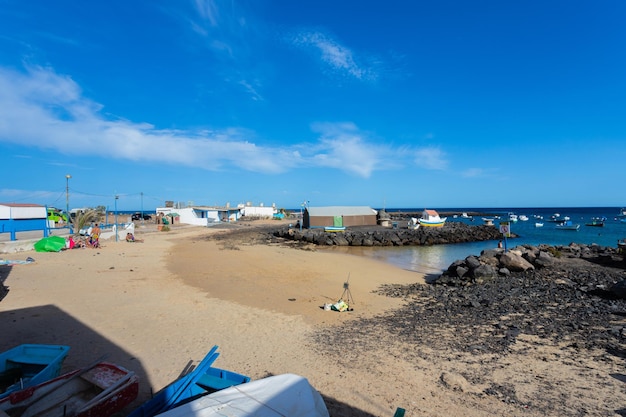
<point x="434" y="259"/>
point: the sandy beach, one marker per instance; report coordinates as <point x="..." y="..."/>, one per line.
<point x="154" y="306"/>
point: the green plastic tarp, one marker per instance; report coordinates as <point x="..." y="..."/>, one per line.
<point x="50" y="244"/>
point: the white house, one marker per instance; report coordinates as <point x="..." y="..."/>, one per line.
<point x="257" y="211"/>
<point x="200" y="215"/>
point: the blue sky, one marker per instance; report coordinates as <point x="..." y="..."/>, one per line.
<point x="388" y="104"/>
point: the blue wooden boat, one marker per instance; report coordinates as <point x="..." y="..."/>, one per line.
<point x="335" y="229"/>
<point x="28" y="365"/>
<point x="567" y="225"/>
<point x="202" y="380"/>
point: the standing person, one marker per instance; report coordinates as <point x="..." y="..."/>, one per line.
<point x="94" y="239"/>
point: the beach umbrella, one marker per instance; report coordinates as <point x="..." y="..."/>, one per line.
<point x="50" y="244"/>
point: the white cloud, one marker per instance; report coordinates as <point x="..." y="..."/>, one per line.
<point x="480" y="173"/>
<point x="335" y="55"/>
<point x="343" y="147"/>
<point x="473" y="172"/>
<point x="207" y="9"/>
<point x="251" y="90"/>
<point x="431" y="158"/>
<point x="45" y="110"/>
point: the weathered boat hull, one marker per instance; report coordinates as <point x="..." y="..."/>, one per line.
<point x="29" y="364"/>
<point x="99" y="391"/>
<point x="202" y="380"/>
<point x="278" y="395"/>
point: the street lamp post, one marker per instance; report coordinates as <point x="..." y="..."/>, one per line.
<point x="116" y="198"/>
<point x="67" y="200"/>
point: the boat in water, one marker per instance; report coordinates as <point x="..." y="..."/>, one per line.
<point x="567" y="225"/>
<point x="596" y="222"/>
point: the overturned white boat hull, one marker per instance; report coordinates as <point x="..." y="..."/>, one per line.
<point x="280" y="395"/>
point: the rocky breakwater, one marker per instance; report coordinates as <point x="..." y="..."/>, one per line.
<point x="380" y="236"/>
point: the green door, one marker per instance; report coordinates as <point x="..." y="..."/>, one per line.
<point x="338" y="221"/>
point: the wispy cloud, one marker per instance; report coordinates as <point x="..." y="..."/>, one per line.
<point x="251" y="90"/>
<point x="479" y="173"/>
<point x="336" y="56"/>
<point x="46" y="110"/>
<point x="431" y="158"/>
<point x="42" y="109"/>
<point x="343" y="146"/>
<point x="207" y="10"/>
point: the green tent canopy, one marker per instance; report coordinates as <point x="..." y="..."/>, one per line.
<point x="50" y="244"/>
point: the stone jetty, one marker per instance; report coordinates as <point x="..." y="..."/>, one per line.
<point x="380" y="236"/>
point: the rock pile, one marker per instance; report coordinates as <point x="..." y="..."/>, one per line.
<point x="379" y="236"/>
<point x="572" y="293"/>
<point x="498" y="262"/>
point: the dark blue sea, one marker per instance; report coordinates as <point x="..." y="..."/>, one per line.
<point x="434" y="259"/>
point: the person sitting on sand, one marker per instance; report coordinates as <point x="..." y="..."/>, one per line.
<point x="131" y="238"/>
<point x="69" y="243"/>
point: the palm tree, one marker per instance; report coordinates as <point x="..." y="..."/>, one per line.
<point x="82" y="219"/>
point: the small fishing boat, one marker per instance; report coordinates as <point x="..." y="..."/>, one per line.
<point x="414" y="224"/>
<point x="430" y="218"/>
<point x="538" y="224"/>
<point x="202" y="380"/>
<point x="567" y="225"/>
<point x="278" y="395"/>
<point x="334" y="229"/>
<point x="30" y="364"/>
<point x="99" y="390"/>
<point x="596" y="222"/>
<point x="487" y="221"/>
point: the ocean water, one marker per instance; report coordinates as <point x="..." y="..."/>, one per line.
<point x="434" y="259"/>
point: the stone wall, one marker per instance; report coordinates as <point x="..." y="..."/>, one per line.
<point x="380" y="236"/>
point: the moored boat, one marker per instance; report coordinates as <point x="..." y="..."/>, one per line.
<point x="100" y="390"/>
<point x="430" y="218"/>
<point x="596" y="222"/>
<point x="567" y="225"/>
<point x="29" y="364"/>
<point x="538" y="224"/>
